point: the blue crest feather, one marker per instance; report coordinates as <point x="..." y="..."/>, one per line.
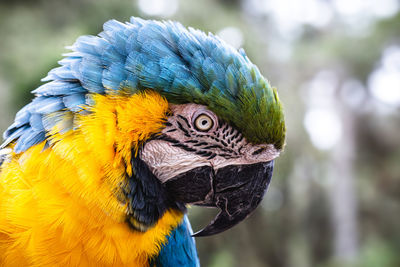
<point x="184" y="65"/>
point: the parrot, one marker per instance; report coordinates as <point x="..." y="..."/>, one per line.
<point x="134" y="126"/>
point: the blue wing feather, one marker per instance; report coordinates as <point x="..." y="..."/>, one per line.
<point x="35" y="121"/>
<point x="13" y="134"/>
<point x="29" y="138"/>
<point x="74" y="102"/>
<point x="58" y="88"/>
<point x="45" y="105"/>
<point x="21" y="118"/>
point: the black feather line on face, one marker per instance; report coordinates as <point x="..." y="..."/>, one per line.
<point x="146" y="196"/>
<point x="185" y="120"/>
<point x="202" y="148"/>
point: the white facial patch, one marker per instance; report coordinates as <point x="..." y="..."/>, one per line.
<point x="166" y="161"/>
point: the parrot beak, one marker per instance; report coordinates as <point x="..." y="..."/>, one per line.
<point x="235" y="189"/>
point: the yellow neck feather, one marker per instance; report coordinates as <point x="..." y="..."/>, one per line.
<point x="59" y="206"/>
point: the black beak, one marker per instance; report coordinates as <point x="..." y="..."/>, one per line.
<point x="236" y="190"/>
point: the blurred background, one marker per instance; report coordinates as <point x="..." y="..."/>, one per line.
<point x="334" y="197"/>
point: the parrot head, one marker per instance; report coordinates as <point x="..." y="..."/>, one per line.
<point x="221" y="129"/>
<point x="203" y="160"/>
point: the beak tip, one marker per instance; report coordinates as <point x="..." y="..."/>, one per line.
<point x="206" y="232"/>
<point x="197" y="234"/>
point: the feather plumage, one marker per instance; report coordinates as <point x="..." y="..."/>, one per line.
<point x="83" y="125"/>
<point x="183" y="65"/>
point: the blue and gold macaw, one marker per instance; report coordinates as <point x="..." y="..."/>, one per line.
<point x="134" y="125"/>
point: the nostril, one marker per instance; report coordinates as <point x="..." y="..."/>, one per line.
<point x="258" y="151"/>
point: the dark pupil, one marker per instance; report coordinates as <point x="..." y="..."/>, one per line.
<point x="203" y="122"/>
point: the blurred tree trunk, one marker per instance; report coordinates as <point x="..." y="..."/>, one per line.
<point x="343" y="194"/>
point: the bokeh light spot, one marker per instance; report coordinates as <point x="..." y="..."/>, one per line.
<point x="232" y="36"/>
<point x="163" y="8"/>
<point x="384" y="82"/>
<point x="324" y="127"/>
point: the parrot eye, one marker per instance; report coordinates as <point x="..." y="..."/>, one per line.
<point x="203" y="123"/>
